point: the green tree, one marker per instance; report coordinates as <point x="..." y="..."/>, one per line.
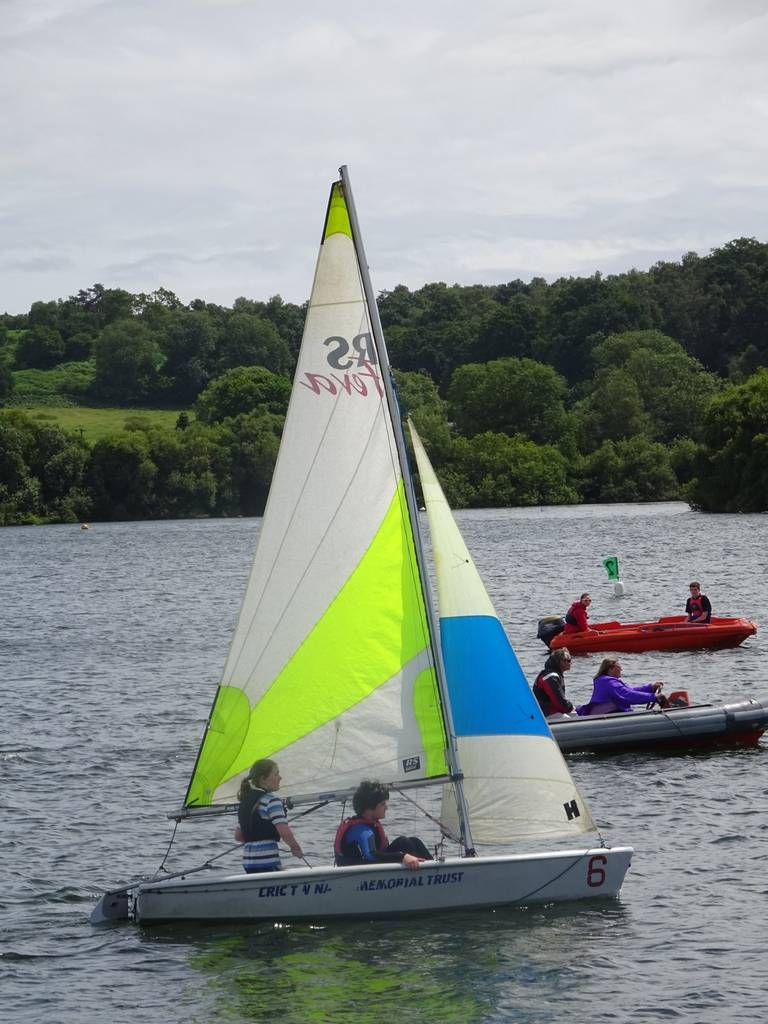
<point x="634" y="469"/>
<point x="287" y="318"/>
<point x="733" y="464"/>
<point x="731" y="307"/>
<point x="677" y="295"/>
<point x="510" y="396"/>
<point x="420" y="399"/>
<point x="499" y="471"/>
<point x="683" y="458"/>
<point x="745" y="363"/>
<point x="582" y="312"/>
<point x="399" y="307"/>
<point x="673" y="388"/>
<point x="442" y="330"/>
<point x="44" y="314"/>
<point x="41" y="472"/>
<point x="613" y="411"/>
<point x="7" y="382"/>
<point x="58" y="461"/>
<point x="617" y="349"/>
<point x="184" y="483"/>
<point x="15" y="438"/>
<point x="79" y="347"/>
<point x="40" y="348"/>
<point x="188" y="341"/>
<point x="253" y="341"/>
<point x="128" y="358"/>
<point x="102" y="306"/>
<point x="243" y="390"/>
<point x="512" y="329"/>
<point x="247" y="451"/>
<point x="121" y="477"/>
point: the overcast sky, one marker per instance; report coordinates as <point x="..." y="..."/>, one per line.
<point x="190" y="144"/>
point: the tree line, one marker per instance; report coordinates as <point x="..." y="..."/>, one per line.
<point x="633" y="387"/>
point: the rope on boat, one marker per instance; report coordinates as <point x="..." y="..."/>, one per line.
<point x="664" y="711"/>
<point x="170" y="844"/>
<point x="309" y="810"/>
<point x="209" y="862"/>
<point x="443" y="827"/>
<point x="549" y="881"/>
<point x="129" y="886"/>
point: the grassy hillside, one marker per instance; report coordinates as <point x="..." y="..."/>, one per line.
<point x="98" y="423"/>
<point x="66" y="384"/>
<point x="55" y="396"/>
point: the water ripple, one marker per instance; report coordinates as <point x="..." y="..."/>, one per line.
<point x="108" y="684"/>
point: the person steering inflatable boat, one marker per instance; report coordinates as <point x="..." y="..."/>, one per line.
<point x="610" y="693"/>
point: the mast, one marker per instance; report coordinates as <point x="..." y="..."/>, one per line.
<point x="413" y="512"/>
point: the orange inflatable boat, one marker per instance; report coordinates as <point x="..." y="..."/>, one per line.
<point x="671" y="633"/>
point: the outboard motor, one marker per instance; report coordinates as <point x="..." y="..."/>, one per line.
<point x="549" y="627"/>
<point x="679" y="699"/>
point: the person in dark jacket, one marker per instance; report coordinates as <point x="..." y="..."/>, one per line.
<point x="549" y="688"/>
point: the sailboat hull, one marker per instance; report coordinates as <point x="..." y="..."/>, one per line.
<point x="373" y="890"/>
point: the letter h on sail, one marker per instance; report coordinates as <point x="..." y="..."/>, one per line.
<point x="572" y="810"/>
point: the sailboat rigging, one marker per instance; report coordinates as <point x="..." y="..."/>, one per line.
<point x="339" y="669"/>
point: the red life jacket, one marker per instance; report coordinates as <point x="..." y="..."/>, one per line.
<point x="555" y="701"/>
<point x="576" y="618"/>
<point x="695" y="606"/>
<point x="381" y="837"/>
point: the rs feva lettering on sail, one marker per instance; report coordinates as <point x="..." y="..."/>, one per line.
<point x="338" y="358"/>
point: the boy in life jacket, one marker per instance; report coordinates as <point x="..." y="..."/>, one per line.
<point x="362" y="840"/>
<point x="549" y="687"/>
<point x="697" y="607"/>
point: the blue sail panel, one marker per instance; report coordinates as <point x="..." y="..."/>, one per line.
<point x="488" y="691"/>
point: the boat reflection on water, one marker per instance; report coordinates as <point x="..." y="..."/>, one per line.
<point x="399" y="970"/>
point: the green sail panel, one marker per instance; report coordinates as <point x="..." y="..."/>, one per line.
<point x="337" y="219"/>
<point x="374" y="627"/>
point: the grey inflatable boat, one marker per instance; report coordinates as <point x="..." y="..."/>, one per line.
<point x="700" y="725"/>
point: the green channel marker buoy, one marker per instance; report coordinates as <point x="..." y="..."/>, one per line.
<point x="611" y="566"/>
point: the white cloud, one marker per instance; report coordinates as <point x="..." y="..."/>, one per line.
<point x="190" y="143"/>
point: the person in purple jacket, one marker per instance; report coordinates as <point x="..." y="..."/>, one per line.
<point x="610" y="694"/>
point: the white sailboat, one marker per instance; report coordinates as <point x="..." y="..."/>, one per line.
<point x="338" y="669"/>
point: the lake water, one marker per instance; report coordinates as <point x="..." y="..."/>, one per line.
<point x="111" y="642"/>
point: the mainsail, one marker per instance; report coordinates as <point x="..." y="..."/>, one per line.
<point x="330" y="670"/>
<point x="516" y="783"/>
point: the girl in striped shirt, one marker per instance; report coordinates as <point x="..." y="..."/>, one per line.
<point x="262" y="819"/>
